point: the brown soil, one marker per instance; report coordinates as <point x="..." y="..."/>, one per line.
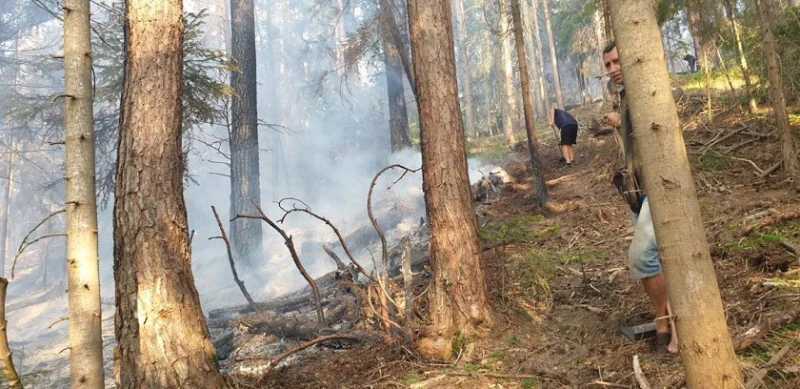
<point x="562" y="296"/>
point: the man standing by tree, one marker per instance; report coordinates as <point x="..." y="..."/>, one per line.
<point x="643" y="255"/>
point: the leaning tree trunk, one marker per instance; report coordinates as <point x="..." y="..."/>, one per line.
<point x="6" y="220"/>
<point x="458" y="298"/>
<point x="706" y="350"/>
<point x="399" y="138"/>
<point x="789" y="145"/>
<point x="466" y="77"/>
<point x="162" y="338"/>
<point x="530" y="49"/>
<point x="511" y="113"/>
<point x="246" y="234"/>
<point x="542" y="197"/>
<point x="553" y="56"/>
<point x="753" y="105"/>
<point x="83" y="272"/>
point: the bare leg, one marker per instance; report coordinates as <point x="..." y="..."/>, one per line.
<point x="656" y="289"/>
<point x="570" y="151"/>
<point x="565" y="153"/>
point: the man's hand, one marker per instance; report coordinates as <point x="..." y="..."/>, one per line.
<point x="613" y="119"/>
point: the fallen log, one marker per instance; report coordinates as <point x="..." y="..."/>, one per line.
<point x="770" y="221"/>
<point x="755" y="334"/>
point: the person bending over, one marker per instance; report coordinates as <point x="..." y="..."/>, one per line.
<point x="643" y="256"/>
<point x="568" y="126"/>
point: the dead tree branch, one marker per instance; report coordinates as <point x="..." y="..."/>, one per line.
<point x="758" y="378"/>
<point x="386" y="313"/>
<point x="276" y="360"/>
<point x="405" y="243"/>
<point x="290" y="245"/>
<point x="239" y="282"/>
<point x="773" y="220"/>
<point x="24" y="245"/>
<point x="5" y="350"/>
<point x="306" y="209"/>
<point x="755" y="334"/>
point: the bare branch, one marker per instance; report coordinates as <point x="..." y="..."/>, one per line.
<point x="24" y="245"/>
<point x="230" y="260"/>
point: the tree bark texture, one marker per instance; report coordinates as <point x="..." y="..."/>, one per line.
<point x="789" y="145"/>
<point x="706" y="351"/>
<point x="83" y="265"/>
<point x="399" y="138"/>
<point x="466" y="77"/>
<point x="7" y="198"/>
<point x="246" y="234"/>
<point x="542" y="197"/>
<point x="389" y="28"/>
<point x="539" y="55"/>
<point x="748" y="85"/>
<point x="511" y="112"/>
<point x="553" y="56"/>
<point x="163" y="341"/>
<point x="458" y="300"/>
<point x="530" y="48"/>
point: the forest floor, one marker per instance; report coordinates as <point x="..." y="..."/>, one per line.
<point x="559" y="283"/>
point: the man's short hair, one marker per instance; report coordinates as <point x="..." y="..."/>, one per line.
<point x="610" y="46"/>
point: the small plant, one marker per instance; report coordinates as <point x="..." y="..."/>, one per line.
<point x="754" y="242"/>
<point x="711" y="161"/>
<point x="530" y="383"/>
<point x="510" y="231"/>
<point x="458" y="344"/>
<point x="512" y="340"/>
<point x="499" y="355"/>
<point x="412" y="379"/>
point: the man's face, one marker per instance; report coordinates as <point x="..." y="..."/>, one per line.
<point x="611" y="60"/>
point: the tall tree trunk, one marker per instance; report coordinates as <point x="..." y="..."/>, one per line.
<point x="224" y="24"/>
<point x="398" y="112"/>
<point x="553" y="56"/>
<point x="753" y="105"/>
<point x="246" y="234"/>
<point x="162" y="338"/>
<point x="466" y="77"/>
<point x="390" y="30"/>
<point x="530" y="47"/>
<point x="458" y="301"/>
<point x="4" y="223"/>
<point x="542" y="197"/>
<point x="511" y="112"/>
<point x="707" y="354"/>
<point x="767" y="11"/>
<point x="539" y="55"/>
<point x="83" y="265"/>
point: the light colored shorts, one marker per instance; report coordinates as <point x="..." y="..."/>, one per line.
<point x="643" y="257"/>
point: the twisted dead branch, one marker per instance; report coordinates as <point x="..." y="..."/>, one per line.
<point x="287" y="240"/>
<point x="307" y="210"/>
<point x="386" y="312"/>
<point x="239" y="282"/>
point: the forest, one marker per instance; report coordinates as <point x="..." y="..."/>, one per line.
<point x="400" y="194"/>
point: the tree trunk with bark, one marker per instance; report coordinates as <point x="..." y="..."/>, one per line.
<point x="398" y="112"/>
<point x="706" y="351"/>
<point x="789" y="145"/>
<point x="553" y="56"/>
<point x="4" y="223"/>
<point x="83" y="272"/>
<point x="511" y="112"/>
<point x="752" y="104"/>
<point x="539" y="55"/>
<point x="542" y="197"/>
<point x="458" y="300"/>
<point x="530" y="48"/>
<point x="162" y="338"/>
<point x="399" y="137"/>
<point x="246" y="234"/>
<point x="466" y="78"/>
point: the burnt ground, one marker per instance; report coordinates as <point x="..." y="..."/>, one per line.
<point x="559" y="284"/>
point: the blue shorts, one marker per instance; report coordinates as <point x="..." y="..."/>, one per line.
<point x="643" y="257"/>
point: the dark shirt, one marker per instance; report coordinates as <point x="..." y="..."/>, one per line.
<point x="627" y="138"/>
<point x="561" y="118"/>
